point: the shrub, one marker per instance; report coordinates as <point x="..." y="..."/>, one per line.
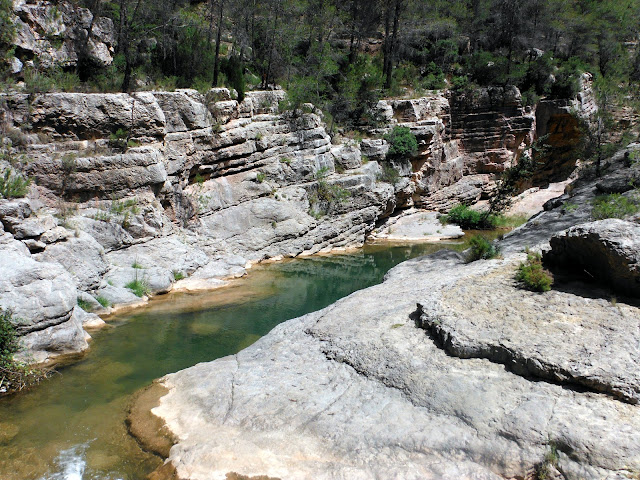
<point x="532" y="275"/>
<point x="615" y="205"/>
<point x="83" y="304"/>
<point x="178" y="275"/>
<point x="389" y="175"/>
<point x="13" y="185"/>
<point x="402" y="143"/>
<point x="103" y="301"/>
<point x="8" y="338"/>
<point x="470" y="219"/>
<point x="260" y="177"/>
<point x="139" y="287"/>
<point x="14" y="376"/>
<point x="119" y="139"/>
<point x="481" y="249"/>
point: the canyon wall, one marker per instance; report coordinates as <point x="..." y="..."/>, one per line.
<point x="166" y="188"/>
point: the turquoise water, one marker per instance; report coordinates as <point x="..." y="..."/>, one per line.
<point x="71" y="427"/>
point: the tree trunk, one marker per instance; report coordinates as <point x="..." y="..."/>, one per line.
<point x="392" y="47"/>
<point x="216" y="64"/>
<point x="387" y="39"/>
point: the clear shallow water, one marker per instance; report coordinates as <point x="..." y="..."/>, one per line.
<point x="71" y="427"/>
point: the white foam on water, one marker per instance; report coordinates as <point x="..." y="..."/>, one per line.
<point x="71" y="465"/>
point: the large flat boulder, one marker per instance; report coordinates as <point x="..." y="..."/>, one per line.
<point x="359" y="391"/>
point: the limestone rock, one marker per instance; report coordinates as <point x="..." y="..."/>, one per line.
<point x="608" y="250"/>
<point x="55" y="34"/>
<point x="42" y="297"/>
<point x="83" y="257"/>
<point x="347" y="156"/>
<point x="362" y="365"/>
<point x="556" y="336"/>
<point x="86" y="116"/>
<point x="375" y="149"/>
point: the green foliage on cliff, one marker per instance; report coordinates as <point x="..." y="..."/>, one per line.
<point x="481" y="249"/>
<point x="14" y="375"/>
<point x="615" y="205"/>
<point x="8" y="338"/>
<point x="402" y="143"/>
<point x="344" y="56"/>
<point x="13" y="185"/>
<point x="470" y="219"/>
<point x="7" y="31"/>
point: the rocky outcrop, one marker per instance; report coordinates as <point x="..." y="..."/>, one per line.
<point x="127" y="184"/>
<point x="451" y="369"/>
<point x="464" y="138"/>
<point x="560" y="336"/>
<point x="60" y="34"/>
<point x="42" y="298"/>
<point x="607" y="250"/>
<point x="561" y="123"/>
<point x="295" y="404"/>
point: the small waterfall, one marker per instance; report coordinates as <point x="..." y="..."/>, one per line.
<point x="70" y="463"/>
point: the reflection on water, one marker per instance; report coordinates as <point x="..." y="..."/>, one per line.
<point x="72" y="426"/>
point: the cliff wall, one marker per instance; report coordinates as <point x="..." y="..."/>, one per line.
<point x="152" y="187"/>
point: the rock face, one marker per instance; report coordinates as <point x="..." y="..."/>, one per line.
<point x="464" y="140"/>
<point x="42" y="298"/>
<point x="559" y="121"/>
<point x="296" y="403"/>
<point x="61" y="34"/>
<point x="608" y="250"/>
<point x="446" y="370"/>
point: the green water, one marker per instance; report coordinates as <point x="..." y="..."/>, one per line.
<point x="72" y="426"/>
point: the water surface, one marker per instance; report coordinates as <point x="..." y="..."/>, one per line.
<point x="71" y="427"/>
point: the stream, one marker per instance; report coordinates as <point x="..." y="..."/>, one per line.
<point x="71" y="427"/>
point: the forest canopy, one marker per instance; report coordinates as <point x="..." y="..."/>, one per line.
<point x="345" y="55"/>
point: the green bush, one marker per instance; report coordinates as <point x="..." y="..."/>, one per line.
<point x="481" y="249"/>
<point x="402" y="143"/>
<point x="13" y="185"/>
<point x="260" y="177"/>
<point x="532" y="275"/>
<point x="14" y="376"/>
<point x="8" y="338"/>
<point x="119" y="139"/>
<point x="178" y="275"/>
<point x="83" y="304"/>
<point x="103" y="301"/>
<point x="470" y="219"/>
<point x="613" y="206"/>
<point x="389" y="175"/>
<point x="139" y="287"/>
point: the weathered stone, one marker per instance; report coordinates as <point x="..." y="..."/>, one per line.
<point x="375" y="149"/>
<point x="42" y="297"/>
<point x="55" y="34"/>
<point x="83" y="257"/>
<point x="608" y="250"/>
<point x="325" y="378"/>
<point x="556" y="336"/>
<point x="86" y="116"/>
<point x="347" y="156"/>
